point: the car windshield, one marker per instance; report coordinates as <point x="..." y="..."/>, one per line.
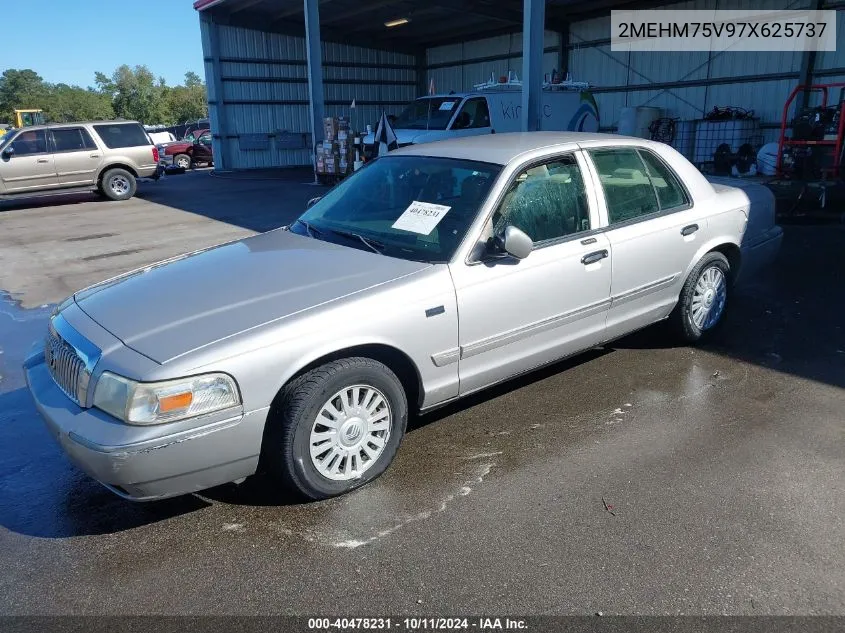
<point x="432" y="113"/>
<point x="410" y="207"/>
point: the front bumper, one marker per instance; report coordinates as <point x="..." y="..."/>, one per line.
<point x="207" y="455"/>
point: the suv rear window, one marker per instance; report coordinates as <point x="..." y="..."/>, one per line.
<point x="122" y="135"/>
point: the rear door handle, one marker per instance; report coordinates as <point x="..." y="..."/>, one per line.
<point x="689" y="230"/>
<point x="93" y="155"/>
<point x="592" y="258"/>
<point x="43" y="160"/>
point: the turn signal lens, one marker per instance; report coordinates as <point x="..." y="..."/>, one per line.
<point x="171" y="403"/>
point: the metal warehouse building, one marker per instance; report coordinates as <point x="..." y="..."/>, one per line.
<point x="257" y="64"/>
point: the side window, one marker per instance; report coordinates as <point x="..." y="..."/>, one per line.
<point x="205" y="139"/>
<point x="72" y="139"/>
<point x="474" y="114"/>
<point x="628" y="191"/>
<point x="31" y="142"/>
<point x="547" y="201"/>
<point x="117" y="135"/>
<point x="670" y="193"/>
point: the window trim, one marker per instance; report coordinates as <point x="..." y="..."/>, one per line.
<point x="470" y="260"/>
<point x="641" y="218"/>
<point x="24" y="130"/>
<point x="52" y="143"/>
<point x="680" y="207"/>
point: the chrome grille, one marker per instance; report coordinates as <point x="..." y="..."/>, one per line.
<point x="66" y="367"/>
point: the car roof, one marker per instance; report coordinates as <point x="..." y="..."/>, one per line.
<point x="503" y="148"/>
<point x="53" y="126"/>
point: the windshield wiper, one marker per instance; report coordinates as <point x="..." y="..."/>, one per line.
<point x="313" y="232"/>
<point x="374" y="245"/>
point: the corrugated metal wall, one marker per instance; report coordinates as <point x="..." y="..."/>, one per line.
<point x="264" y="86"/>
<point x="261" y="78"/>
<point x="687" y="85"/>
<point x="459" y="66"/>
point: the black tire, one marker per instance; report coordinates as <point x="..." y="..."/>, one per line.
<point x="118" y="184"/>
<point x="681" y="318"/>
<point x="182" y="158"/>
<point x="286" y="450"/>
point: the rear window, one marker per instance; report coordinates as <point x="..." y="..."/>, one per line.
<point x="116" y="135"/>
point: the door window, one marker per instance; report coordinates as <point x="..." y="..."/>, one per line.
<point x="547" y="201"/>
<point x="628" y="191"/>
<point x="205" y="139"/>
<point x="474" y="114"/>
<point x="30" y="142"/>
<point x="72" y="139"/>
<point x="670" y="193"/>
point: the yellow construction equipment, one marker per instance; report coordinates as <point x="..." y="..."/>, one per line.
<point x="26" y="117"/>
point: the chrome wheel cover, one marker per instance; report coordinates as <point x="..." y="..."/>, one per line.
<point x="184" y="162"/>
<point x="708" y="298"/>
<point x="350" y="432"/>
<point x="119" y="185"/>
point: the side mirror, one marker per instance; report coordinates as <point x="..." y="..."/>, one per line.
<point x="8" y="152"/>
<point x="313" y="201"/>
<point x="514" y="242"/>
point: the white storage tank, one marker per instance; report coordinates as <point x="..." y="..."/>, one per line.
<point x="635" y="121"/>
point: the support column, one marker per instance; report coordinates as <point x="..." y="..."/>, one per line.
<point x="214" y="91"/>
<point x="422" y="73"/>
<point x="563" y="50"/>
<point x="533" y="25"/>
<point x="316" y="101"/>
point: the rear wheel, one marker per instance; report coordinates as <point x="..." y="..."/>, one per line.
<point x="182" y="160"/>
<point x="703" y="299"/>
<point x="118" y="184"/>
<point x="336" y="427"/>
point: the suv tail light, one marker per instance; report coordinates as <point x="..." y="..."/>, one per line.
<point x="155" y="154"/>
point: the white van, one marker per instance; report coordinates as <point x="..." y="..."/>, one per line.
<point x="440" y="117"/>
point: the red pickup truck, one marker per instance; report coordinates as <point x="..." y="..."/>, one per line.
<point x="194" y="148"/>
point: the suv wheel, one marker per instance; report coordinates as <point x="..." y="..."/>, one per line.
<point x="118" y="184"/>
<point x="336" y="427"/>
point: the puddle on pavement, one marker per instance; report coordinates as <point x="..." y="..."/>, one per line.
<point x="21" y="329"/>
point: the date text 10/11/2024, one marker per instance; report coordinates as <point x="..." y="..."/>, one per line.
<point x="416" y="624"/>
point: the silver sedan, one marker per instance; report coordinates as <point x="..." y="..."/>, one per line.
<point x="432" y="273"/>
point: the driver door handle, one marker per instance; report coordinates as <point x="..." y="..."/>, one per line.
<point x="592" y="258"/>
<point x="689" y="230"/>
<point x="43" y="160"/>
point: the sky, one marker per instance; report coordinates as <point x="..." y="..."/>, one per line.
<point x="67" y="41"/>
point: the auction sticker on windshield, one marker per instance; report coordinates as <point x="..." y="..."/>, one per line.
<point x="421" y="217"/>
<point x="447" y="105"/>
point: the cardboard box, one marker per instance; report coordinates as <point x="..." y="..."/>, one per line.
<point x="330" y="128"/>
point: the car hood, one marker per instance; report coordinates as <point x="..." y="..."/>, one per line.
<point x="169" y="309"/>
<point x="409" y="136"/>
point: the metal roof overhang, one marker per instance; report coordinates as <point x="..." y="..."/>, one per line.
<point x="430" y="23"/>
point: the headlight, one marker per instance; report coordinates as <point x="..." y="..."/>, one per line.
<point x="157" y="402"/>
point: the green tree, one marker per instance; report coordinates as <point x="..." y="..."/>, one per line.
<point x="135" y="94"/>
<point x="20" y="89"/>
<point x="71" y="103"/>
<point x="187" y="102"/>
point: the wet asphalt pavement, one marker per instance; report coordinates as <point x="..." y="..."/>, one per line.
<point x="636" y="478"/>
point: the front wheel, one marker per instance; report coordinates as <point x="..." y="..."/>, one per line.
<point x="704" y="297"/>
<point x="336" y="427"/>
<point x="182" y="160"/>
